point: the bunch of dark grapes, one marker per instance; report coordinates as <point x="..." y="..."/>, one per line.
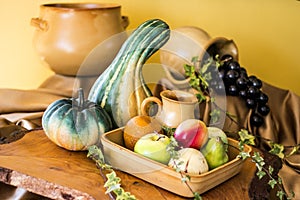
<point x="230" y="77"/>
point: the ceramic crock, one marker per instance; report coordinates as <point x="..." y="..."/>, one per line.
<point x="66" y="33"/>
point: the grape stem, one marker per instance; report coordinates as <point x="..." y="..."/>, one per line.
<point x="229" y="116"/>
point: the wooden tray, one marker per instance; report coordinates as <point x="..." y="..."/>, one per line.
<point x="163" y="176"/>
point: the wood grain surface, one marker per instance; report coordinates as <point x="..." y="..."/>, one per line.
<point x="38" y="165"/>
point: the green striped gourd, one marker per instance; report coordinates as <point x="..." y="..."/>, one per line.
<point x="121" y="88"/>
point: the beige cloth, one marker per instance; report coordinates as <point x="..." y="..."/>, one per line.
<point x="25" y="107"/>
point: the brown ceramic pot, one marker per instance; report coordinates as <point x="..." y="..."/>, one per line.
<point x="67" y="32"/>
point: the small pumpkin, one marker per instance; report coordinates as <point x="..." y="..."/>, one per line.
<point x="75" y="123"/>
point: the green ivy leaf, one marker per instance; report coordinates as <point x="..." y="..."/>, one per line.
<point x="196" y="81"/>
<point x="244" y="155"/>
<point x="277" y="149"/>
<point x="171" y="148"/>
<point x="96" y="153"/>
<point x="215" y="115"/>
<point x="200" y="96"/>
<point x="260" y="174"/>
<point x="207" y="76"/>
<point x="112" y="183"/>
<point x="279" y="181"/>
<point x="189" y="70"/>
<point x="291" y="195"/>
<point x="97" y="156"/>
<point x="113" y="188"/>
<point x="168" y="131"/>
<point x="246" y="138"/>
<point x="257" y="158"/>
<point x="195" y="59"/>
<point x="272" y="183"/>
<point x="112" y="179"/>
<point x="271" y="169"/>
<point x="259" y="161"/>
<point x="206" y="65"/>
<point x="122" y="195"/>
<point x="280" y="194"/>
<point x="197" y="196"/>
<point x="241" y="146"/>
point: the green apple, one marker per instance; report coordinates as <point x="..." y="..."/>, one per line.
<point x="154" y="146"/>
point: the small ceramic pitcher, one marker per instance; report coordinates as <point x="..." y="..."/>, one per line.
<point x="175" y="107"/>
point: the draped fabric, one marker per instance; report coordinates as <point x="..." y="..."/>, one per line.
<point x="23" y="109"/>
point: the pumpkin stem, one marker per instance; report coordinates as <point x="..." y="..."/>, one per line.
<point x="80" y="98"/>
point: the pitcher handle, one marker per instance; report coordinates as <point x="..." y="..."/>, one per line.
<point x="145" y="103"/>
<point x="39" y="23"/>
<point x="125" y="22"/>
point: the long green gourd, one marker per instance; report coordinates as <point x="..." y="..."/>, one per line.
<point x="121" y="88"/>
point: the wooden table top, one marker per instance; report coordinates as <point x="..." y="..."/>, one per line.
<point x="38" y="165"/>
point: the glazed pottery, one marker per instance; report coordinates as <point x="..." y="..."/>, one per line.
<point x="65" y="33"/>
<point x="175" y="107"/>
<point x="185" y="43"/>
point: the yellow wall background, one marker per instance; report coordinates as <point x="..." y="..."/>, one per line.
<point x="267" y="34"/>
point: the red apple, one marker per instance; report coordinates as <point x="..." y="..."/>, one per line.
<point x="191" y="133"/>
